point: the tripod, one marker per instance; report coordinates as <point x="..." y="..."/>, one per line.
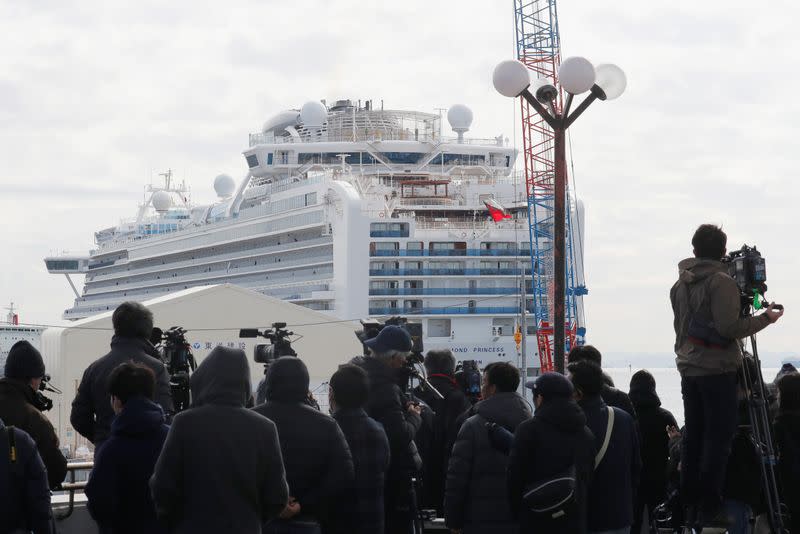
<point x="761" y="433"/>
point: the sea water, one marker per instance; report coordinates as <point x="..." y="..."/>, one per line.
<point x="668" y="385"/>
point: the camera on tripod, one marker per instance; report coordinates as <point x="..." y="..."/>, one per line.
<point x="176" y="353"/>
<point x="279" y="343"/>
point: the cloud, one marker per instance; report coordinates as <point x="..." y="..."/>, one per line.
<point x="97" y="98"/>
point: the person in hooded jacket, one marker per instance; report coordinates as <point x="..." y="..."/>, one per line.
<point x="221" y="468"/>
<point x="616" y="475"/>
<point x="361" y="506"/>
<point x="654" y="444"/>
<point x="19" y="407"/>
<point x="24" y="490"/>
<point x="440" y="366"/>
<point x="787" y="439"/>
<point x="118" y="491"/>
<point x="476" y="498"/>
<point x="706" y="304"/>
<point x="555" y="439"/>
<point x="318" y="462"/>
<point x="91" y="410"/>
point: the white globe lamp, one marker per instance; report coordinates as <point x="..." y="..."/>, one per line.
<point x="511" y="78"/>
<point x="576" y="75"/>
<point x="611" y="80"/>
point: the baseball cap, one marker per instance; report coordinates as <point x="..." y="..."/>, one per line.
<point x="390" y="337"/>
<point x="551" y="385"/>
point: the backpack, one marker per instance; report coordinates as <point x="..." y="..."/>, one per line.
<point x="551" y="494"/>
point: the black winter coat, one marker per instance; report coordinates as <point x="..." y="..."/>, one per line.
<point x="17" y="409"/>
<point x="24" y="491"/>
<point x="617" y="398"/>
<point x="91" y="410"/>
<point x="436" y="455"/>
<point x="555" y="439"/>
<point x="387" y="405"/>
<point x="654" y="445"/>
<point x="319" y="466"/>
<point x="615" y="480"/>
<point x="360" y="507"/>
<point x="221" y="468"/>
<point x="787" y="439"/>
<point x="118" y="490"/>
<point x="476" y="498"/>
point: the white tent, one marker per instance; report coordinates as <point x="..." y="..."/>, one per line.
<point x="212" y="316"/>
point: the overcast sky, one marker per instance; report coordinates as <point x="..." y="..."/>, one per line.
<point x="95" y="100"/>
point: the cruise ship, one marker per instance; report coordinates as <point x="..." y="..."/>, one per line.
<point x="349" y="209"/>
<point x="11" y="332"/>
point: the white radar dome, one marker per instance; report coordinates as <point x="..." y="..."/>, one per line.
<point x="161" y="201"/>
<point x="460" y="117"/>
<point x="313" y="114"/>
<point x="224" y="185"/>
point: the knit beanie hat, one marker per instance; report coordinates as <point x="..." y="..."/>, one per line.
<point x="24" y="362"/>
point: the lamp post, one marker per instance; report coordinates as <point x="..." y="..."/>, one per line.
<point x="577" y="75"/>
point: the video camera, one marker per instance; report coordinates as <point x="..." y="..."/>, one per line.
<point x="468" y="376"/>
<point x="372" y="327"/>
<point x="41" y="402"/>
<point x="279" y="345"/>
<point x="749" y="269"/>
<point x="176" y="353"/>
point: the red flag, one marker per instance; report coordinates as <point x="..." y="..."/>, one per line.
<point x="497" y="211"/>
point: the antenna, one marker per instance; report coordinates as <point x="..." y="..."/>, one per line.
<point x="167" y="177"/>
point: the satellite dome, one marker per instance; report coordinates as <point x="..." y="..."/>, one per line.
<point x="313" y="114"/>
<point x="460" y="117"/>
<point x="161" y="201"/>
<point x="224" y="185"/>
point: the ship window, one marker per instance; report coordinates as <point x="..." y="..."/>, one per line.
<point x="269" y="158"/>
<point x="502" y="327"/>
<point x="402" y="157"/>
<point x="311" y="199"/>
<point x="384" y="245"/>
<point x="252" y="161"/>
<point x="461" y="159"/>
<point x="413" y="265"/>
<point x="412" y="304"/>
<point x="496" y="245"/>
<point x="439" y="328"/>
<point x="61" y="265"/>
<point x="414" y="245"/>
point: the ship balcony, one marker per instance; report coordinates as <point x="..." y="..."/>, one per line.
<point x="448" y="272"/>
<point x="462" y="310"/>
<point x="452" y="252"/>
<point x="446" y="291"/>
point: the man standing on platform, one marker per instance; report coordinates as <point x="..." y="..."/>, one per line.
<point x="708" y="323"/>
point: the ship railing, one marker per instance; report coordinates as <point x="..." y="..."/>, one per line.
<point x="456" y="252"/>
<point x="391" y="134"/>
<point x="435" y="291"/>
<point x="217" y="273"/>
<point x="507" y="224"/>
<point x="448" y="272"/>
<point x="445" y="310"/>
<point x="242" y="254"/>
<point x="71" y="487"/>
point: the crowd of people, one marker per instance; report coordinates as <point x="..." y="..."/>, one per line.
<point x="584" y="457"/>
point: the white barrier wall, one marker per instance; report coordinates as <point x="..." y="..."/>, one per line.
<point x="212" y="316"/>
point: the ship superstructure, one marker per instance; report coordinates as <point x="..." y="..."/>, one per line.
<point x="348" y="209"/>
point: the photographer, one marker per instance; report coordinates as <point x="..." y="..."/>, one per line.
<point x="440" y="366"/>
<point x="20" y="407"/>
<point x="707" y="306"/>
<point x="91" y="410"/>
<point x="400" y="419"/>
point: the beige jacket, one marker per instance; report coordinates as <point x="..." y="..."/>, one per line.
<point x="706" y="284"/>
